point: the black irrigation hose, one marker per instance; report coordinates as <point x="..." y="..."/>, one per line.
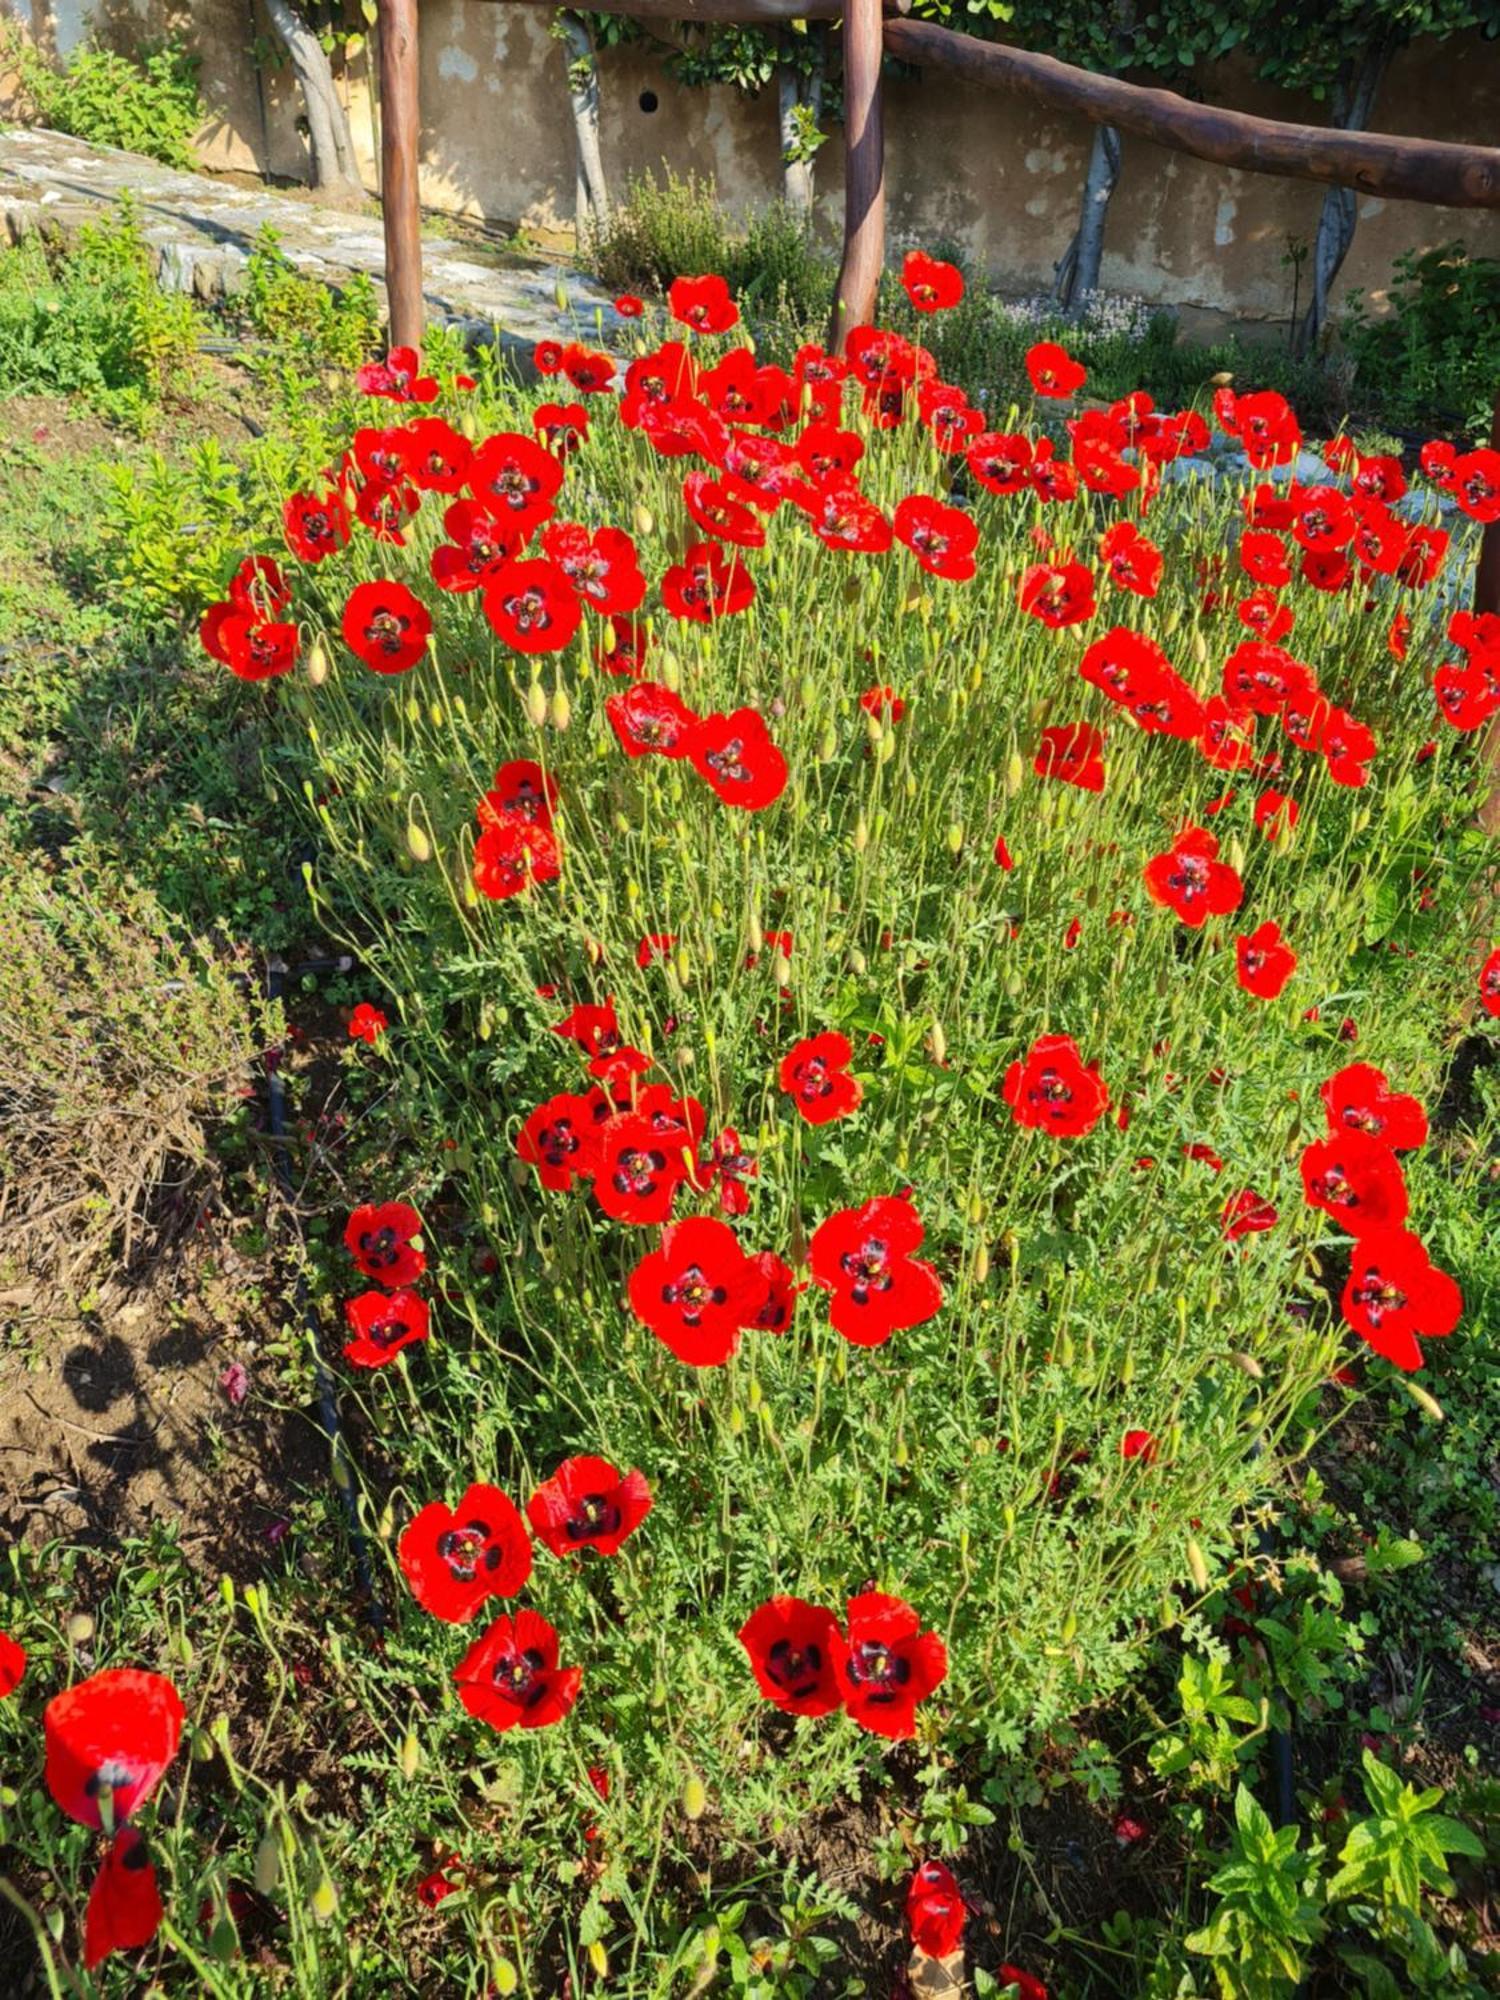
<point x="328" y="1406"/>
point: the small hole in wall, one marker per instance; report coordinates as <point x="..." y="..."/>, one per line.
<point x="648" y="100"/>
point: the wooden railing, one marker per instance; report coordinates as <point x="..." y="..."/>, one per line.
<point x="1394" y="167"/>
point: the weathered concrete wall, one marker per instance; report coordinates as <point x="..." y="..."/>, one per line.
<point x="963" y="163"/>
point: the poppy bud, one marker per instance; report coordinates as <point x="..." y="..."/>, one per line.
<point x="1168" y="1610"/>
<point x="1127" y="1367"/>
<point x="1069" y="1630"/>
<point x="955" y="838"/>
<point x="828" y="744"/>
<point x="536" y="704"/>
<point x="874" y="728"/>
<point x="1065" y="1348"/>
<point x="1237" y="855"/>
<point x="1200" y="646"/>
<point x="861" y="835"/>
<point x="562" y="709"/>
<point x="645" y="521"/>
<point x="1015" y="773"/>
<point x="81" y="1627"/>
<point x="901" y="1456"/>
<point x="418" y="846"/>
<point x="694" y="1797"/>
<point x="506" y="1977"/>
<point x="1248" y="1365"/>
<point x="937" y="1042"/>
<point x="858" y="963"/>
<point x="976" y="678"/>
<point x="560" y="296"/>
<point x="468" y="423"/>
<point x="317" y="663"/>
<point x="783" y="970"/>
<point x="851" y="590"/>
<point x="669" y="672"/>
<point x="324" y="1900"/>
<point x="755" y="937"/>
<point x="885" y="748"/>
<point x="1361" y="819"/>
<point x="1197" y="1565"/>
<point x="203" y="1747"/>
<point x="1423" y="1400"/>
<point x="267" y="1864"/>
<point x="736" y="1423"/>
<point x="411" y="1755"/>
<point x="599" y="1959"/>
<point x="981" y="1263"/>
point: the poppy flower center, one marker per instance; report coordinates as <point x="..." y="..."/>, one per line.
<point x="463" y="1549"/>
<point x="693" y="1293"/>
<point x="111" y="1776"/>
<point x="387" y="1333"/>
<point x="529" y="610"/>
<point x="928" y="539"/>
<point x="796" y="1670"/>
<point x="1190" y="876"/>
<point x="1051" y="1089"/>
<point x="512" y="486"/>
<point x="521" y="1677"/>
<point x="558" y="1142"/>
<point x="381" y="1246"/>
<point x="636" y="1171"/>
<point x="868" y="1267"/>
<point x="728" y="762"/>
<point x="595" y="1514"/>
<point x="1379" y="1296"/>
<point x="877" y="1668"/>
<point x="387" y="630"/>
<point x="812" y="1077"/>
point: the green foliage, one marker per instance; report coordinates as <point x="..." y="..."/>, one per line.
<point x="144" y="104"/>
<point x="1266" y="1919"/>
<point x="1317" y="49"/>
<point x="1434" y="358"/>
<point x="310" y="324"/>
<point x="89" y="319"/>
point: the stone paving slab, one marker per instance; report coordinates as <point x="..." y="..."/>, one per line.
<point x="202" y="229"/>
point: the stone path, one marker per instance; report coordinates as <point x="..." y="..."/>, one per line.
<point x="202" y="229"/>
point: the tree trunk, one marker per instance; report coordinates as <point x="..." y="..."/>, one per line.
<point x="1353" y="102"/>
<point x="1078" y="268"/>
<point x="335" y="169"/>
<point x="591" y="196"/>
<point x="799" y="103"/>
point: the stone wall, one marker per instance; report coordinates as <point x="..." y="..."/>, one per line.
<point x="963" y="163"/>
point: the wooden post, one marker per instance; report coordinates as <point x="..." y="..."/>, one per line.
<point x="400" y="202"/>
<point x="1487" y="598"/>
<point x="864" y="172"/>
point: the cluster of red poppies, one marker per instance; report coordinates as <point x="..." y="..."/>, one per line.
<point x="1394" y="1291"/>
<point x="878" y="1667"/>
<point x="108" y="1741"/>
<point x="455" y="1559"/>
<point x="385" y="1240"/>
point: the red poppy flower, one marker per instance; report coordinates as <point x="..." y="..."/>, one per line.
<point x="1058" y="593"/>
<point x="706" y="585"/>
<point x="882" y="702"/>
<point x="513" y="854"/>
<point x="367" y="1024"/>
<point x="1489" y="984"/>
<point x="520" y="787"/>
<point x="453" y="1558"/>
<point x="930" y="284"/>
<point x="255" y="649"/>
<point x="815" y="1074"/>
<point x="532" y="606"/>
<point x="115" y="1732"/>
<point x="824" y="451"/>
<point x="794" y="1648"/>
<point x="1027" y="1985"/>
<point x="628" y="306"/>
<point x="1053" y="1090"/>
<point x="888" y="1664"/>
<point x="478" y="546"/>
<point x="1246" y="1214"/>
<point x="1359" y="1099"/>
<point x="1474" y="483"/>
<point x="1141" y="1445"/>
<point x="510" y="1678"/>
<point x="1273" y="811"/>
<point x="1263" y="613"/>
<point x="1395" y="1292"/>
<point x="12" y="1664"/>
<point x="1267" y="427"/>
<point x="381" y="1238"/>
<point x="736" y="756"/>
<point x="863" y="1256"/>
<point x="622" y="649"/>
<point x="1053" y="370"/>
<point x="1133" y="562"/>
<point x="588" y="1504"/>
<point x="386" y="626"/>
<point x="935" y="1912"/>
<point x="594" y="1027"/>
<point x="697" y="1291"/>
<point x="385" y="510"/>
<point x="383" y="1323"/>
<point x="316" y="525"/>
<point x="1264" y="961"/>
<point x="721" y="507"/>
<point x="1003" y="858"/>
<point x="1264" y="559"/>
<point x="649" y="718"/>
<point x="942" y="538"/>
<point x="640" y="1163"/>
<point x="1052" y="479"/>
<point x="1263" y="678"/>
<point x="1071" y="751"/>
<point x="561" y="427"/>
<point x="601" y="565"/>
<point x="1467" y="695"/>
<point x="560" y="1139"/>
<point x="1124" y="665"/>
<point x="778" y="1294"/>
<point x="842" y="516"/>
<point x="999" y="460"/>
<point x="1188" y="880"/>
<point x="1357" y="1180"/>
<point x="703" y="304"/>
<point x="124" y="1907"/>
<point x="589" y="371"/>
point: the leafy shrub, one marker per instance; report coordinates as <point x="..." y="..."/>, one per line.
<point x="147" y="104"/>
<point x="307" y="320"/>
<point x="1434" y="358"/>
<point x="89" y="319"/>
<point x="923" y="888"/>
<point x="119" y="1043"/>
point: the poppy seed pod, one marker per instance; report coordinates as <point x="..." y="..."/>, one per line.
<point x="267" y="1864"/>
<point x="1196" y="1565"/>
